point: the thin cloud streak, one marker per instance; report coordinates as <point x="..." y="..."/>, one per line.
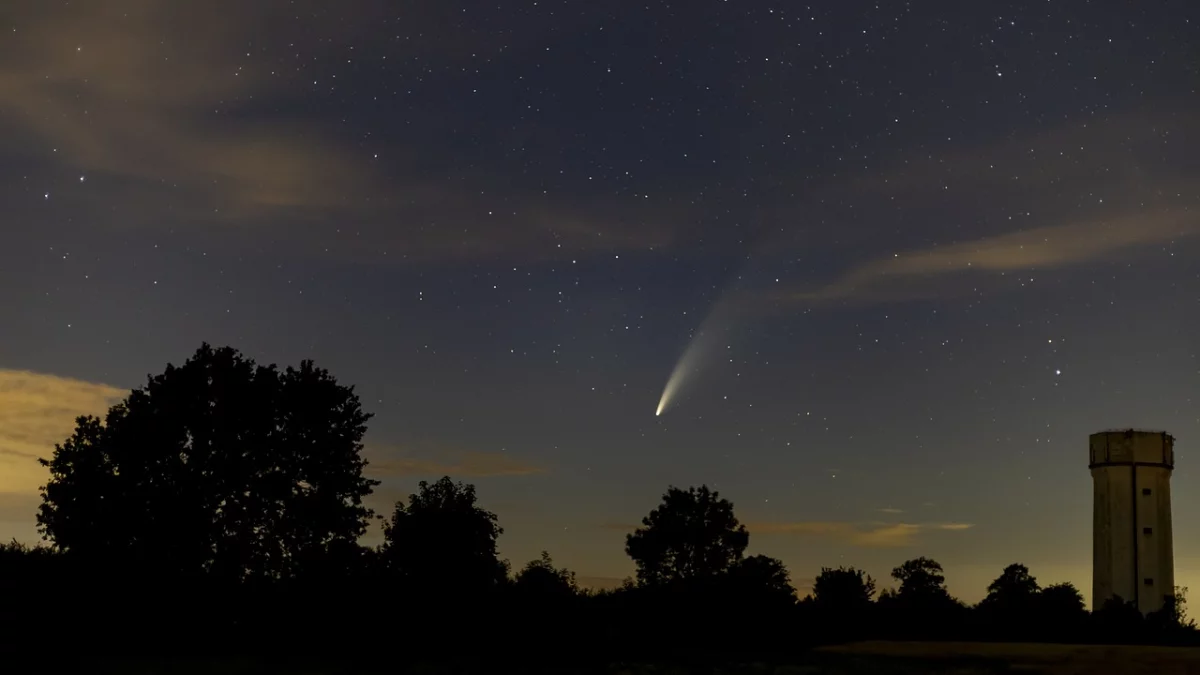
<point x="1043" y="248"/>
<point x="158" y="120"/>
<point x="194" y="137"/>
<point x="866" y="535"/>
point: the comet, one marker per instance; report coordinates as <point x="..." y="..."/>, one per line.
<point x="705" y="342"/>
<point x="728" y="312"/>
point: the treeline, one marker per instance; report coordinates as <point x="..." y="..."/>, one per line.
<point x="218" y="511"/>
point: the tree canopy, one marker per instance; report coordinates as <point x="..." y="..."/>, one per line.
<point x="692" y="534"/>
<point x="218" y="466"/>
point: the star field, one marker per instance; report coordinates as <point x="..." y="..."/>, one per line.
<point x="920" y="251"/>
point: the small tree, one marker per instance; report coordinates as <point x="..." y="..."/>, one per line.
<point x="443" y="542"/>
<point x="1062" y="600"/>
<point x="1059" y="612"/>
<point x="922" y="607"/>
<point x="921" y="579"/>
<point x="1179" y="608"/>
<point x="1171" y="621"/>
<point x="1014" y="585"/>
<point x="841" y="599"/>
<point x="540" y="579"/>
<point x="1119" y="620"/>
<point x="692" y="534"/>
<point x="765" y="578"/>
<point x="1011" y="605"/>
<point x="844" y="589"/>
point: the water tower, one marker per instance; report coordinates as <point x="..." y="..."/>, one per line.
<point x="1132" y="556"/>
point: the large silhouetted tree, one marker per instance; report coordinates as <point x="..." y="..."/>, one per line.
<point x="218" y="466"/>
<point x="692" y="534"/>
<point x="443" y="542"/>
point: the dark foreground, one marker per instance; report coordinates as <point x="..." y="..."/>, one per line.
<point x="863" y="658"/>
<point x="973" y="657"/>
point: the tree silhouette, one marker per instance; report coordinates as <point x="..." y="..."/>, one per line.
<point x="1061" y="610"/>
<point x="843" y="589"/>
<point x="763" y="578"/>
<point x="1171" y="621"/>
<point x="541" y="580"/>
<point x="443" y="542"/>
<point x="1012" y="603"/>
<point x="1062" y="600"/>
<point x="692" y="534"/>
<point x="218" y="466"/>
<point x="841" y="603"/>
<point x="1118" y="620"/>
<point x="920" y="578"/>
<point x="1014" y="585"/>
<point x="1178" y="608"/>
<point x="922" y="607"/>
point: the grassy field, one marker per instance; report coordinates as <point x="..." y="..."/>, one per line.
<point x="905" y="658"/>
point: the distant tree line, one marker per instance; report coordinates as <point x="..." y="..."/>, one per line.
<point x="219" y="508"/>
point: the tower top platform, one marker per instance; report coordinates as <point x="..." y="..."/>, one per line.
<point x="1128" y="447"/>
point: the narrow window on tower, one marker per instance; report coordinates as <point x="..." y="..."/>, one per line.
<point x="1148" y="581"/>
<point x="1145" y="492"/>
<point x="1147" y="530"/>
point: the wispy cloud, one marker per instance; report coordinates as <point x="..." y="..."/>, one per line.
<point x="36" y="411"/>
<point x="1043" y="248"/>
<point x="867" y="535"/>
<point x="456" y="465"/>
<point x="176" y="107"/>
<point x="112" y="90"/>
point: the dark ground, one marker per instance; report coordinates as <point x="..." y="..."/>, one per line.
<point x="874" y="658"/>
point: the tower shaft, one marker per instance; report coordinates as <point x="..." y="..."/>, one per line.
<point x="1132" y="550"/>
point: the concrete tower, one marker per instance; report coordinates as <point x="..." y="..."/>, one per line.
<point x="1132" y="555"/>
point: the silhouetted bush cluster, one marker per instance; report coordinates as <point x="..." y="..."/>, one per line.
<point x="218" y="511"/>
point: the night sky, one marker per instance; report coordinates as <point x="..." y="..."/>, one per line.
<point x="914" y="252"/>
